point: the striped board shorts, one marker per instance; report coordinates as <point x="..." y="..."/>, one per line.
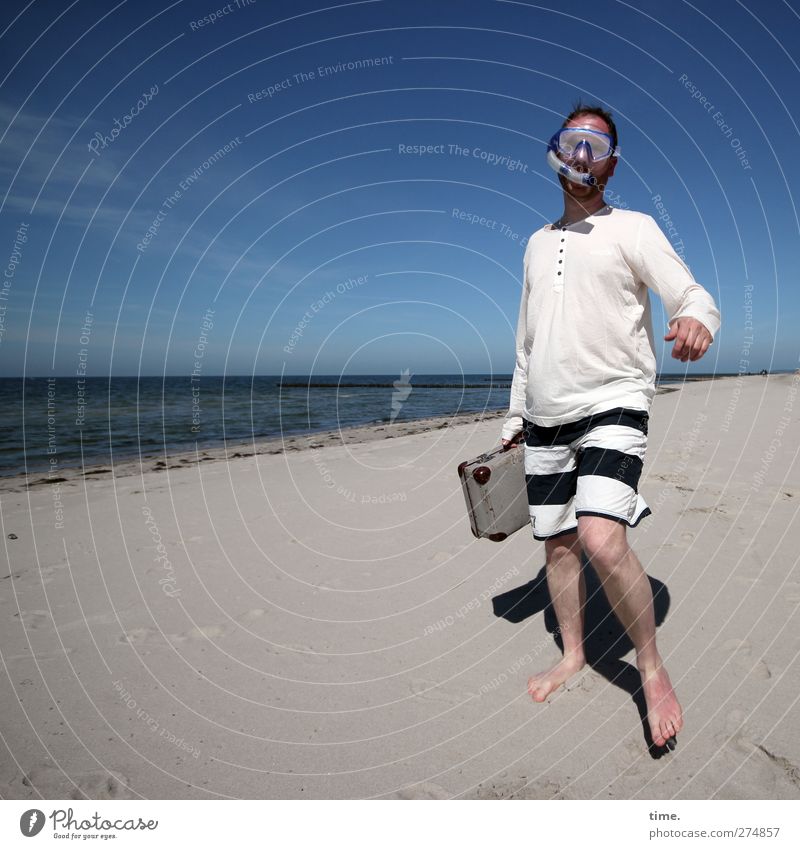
<point x="590" y="467"/>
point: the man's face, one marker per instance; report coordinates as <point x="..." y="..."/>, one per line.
<point x="601" y="170"/>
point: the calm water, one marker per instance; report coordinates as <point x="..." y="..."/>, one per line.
<point x="125" y="416"/>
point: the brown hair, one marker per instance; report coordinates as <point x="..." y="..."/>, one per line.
<point x="580" y="108"/>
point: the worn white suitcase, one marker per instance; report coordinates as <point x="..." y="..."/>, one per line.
<point x="495" y="492"/>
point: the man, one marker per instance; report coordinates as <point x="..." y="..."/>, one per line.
<point x="583" y="384"/>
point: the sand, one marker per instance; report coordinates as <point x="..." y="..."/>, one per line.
<point x="320" y="623"/>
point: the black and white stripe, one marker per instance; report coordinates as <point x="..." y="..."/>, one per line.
<point x="583" y="468"/>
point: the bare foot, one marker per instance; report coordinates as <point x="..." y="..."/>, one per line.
<point x="663" y="711"/>
<point x="540" y="686"/>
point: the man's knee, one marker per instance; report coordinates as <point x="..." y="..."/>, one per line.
<point x="562" y="545"/>
<point x="603" y="540"/>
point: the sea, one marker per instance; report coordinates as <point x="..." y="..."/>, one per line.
<point x="62" y="422"/>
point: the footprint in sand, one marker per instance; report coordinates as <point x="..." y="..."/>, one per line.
<point x="738" y="734"/>
<point x="308" y="654"/>
<point x="447" y="554"/>
<point x="744" y="659"/>
<point x="424" y="790"/>
<point x="587" y="682"/>
<point x="143" y="636"/>
<point x="204" y="632"/>
<point x="251" y="615"/>
<point x="88" y="622"/>
<point x="777" y="775"/>
<point x="519" y="788"/>
<point x="49" y="782"/>
<point x="152" y="636"/>
<point x="48" y="572"/>
<point x="628" y="753"/>
<point x="35" y="620"/>
<point x="55" y="654"/>
<point x="430" y="691"/>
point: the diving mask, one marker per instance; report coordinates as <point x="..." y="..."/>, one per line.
<point x="578" y="144"/>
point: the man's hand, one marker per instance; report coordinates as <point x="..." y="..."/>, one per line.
<point x="515" y="440"/>
<point x="692" y="339"/>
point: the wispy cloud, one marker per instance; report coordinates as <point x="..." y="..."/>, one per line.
<point x="28" y="160"/>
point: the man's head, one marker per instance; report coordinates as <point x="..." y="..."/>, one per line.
<point x="603" y="134"/>
<point x="579" y="110"/>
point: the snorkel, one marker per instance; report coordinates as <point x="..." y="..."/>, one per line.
<point x="568" y="171"/>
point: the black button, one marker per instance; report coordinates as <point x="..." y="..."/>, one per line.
<point x="563" y="229"/>
<point x="560" y="261"/>
<point x="561" y="251"/>
<point x="559" y="273"/>
<point x="562" y="240"/>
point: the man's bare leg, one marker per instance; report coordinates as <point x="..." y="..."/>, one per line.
<point x="628" y="590"/>
<point x="567" y="589"/>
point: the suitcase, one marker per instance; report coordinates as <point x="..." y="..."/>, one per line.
<point x="495" y="492"/>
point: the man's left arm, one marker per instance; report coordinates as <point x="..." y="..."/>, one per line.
<point x="694" y="317"/>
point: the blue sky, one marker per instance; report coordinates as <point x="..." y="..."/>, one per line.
<point x="262" y="212"/>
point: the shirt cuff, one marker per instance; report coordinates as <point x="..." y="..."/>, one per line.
<point x="513" y="425"/>
<point x="709" y="321"/>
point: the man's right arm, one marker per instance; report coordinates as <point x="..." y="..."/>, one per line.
<point x="512" y="423"/>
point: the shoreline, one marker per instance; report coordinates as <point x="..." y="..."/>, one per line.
<point x="184" y="458"/>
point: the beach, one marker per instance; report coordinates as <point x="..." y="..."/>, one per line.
<point x="311" y="617"/>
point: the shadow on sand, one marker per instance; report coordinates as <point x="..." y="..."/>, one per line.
<point x="605" y="640"/>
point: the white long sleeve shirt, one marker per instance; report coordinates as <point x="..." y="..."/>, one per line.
<point x="584" y="340"/>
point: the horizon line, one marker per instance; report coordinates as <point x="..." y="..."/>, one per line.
<point x="364" y="374"/>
